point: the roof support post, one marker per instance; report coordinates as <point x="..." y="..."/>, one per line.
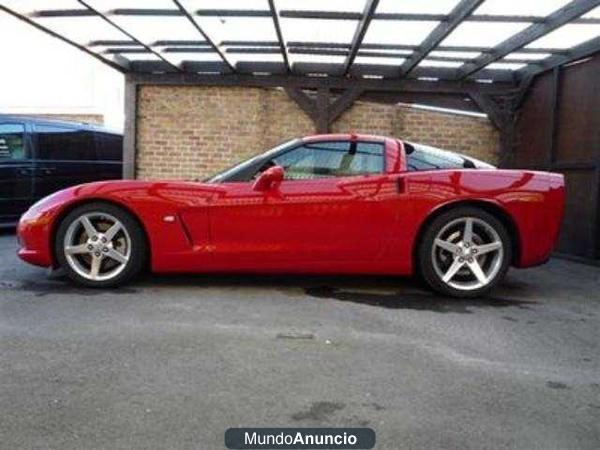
<point x="322" y="104"/>
<point x="320" y="110"/>
<point x="130" y="129"/>
<point x="343" y="102"/>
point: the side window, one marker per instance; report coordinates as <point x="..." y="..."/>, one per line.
<point x="12" y="141"/>
<point x="64" y="143"/>
<point x="109" y="147"/>
<point x="428" y="158"/>
<point x="331" y="159"/>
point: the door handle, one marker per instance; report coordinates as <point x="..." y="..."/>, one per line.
<point x="401" y="185"/>
<point x="48" y="170"/>
<point x="25" y="171"/>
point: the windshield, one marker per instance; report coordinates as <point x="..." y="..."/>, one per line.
<point x="231" y="172"/>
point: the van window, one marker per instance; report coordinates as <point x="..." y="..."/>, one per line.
<point x="62" y="143"/>
<point x="12" y="141"/>
<point x="109" y="147"/>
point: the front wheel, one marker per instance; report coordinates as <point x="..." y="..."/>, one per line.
<point x="100" y="245"/>
<point x="464" y="252"/>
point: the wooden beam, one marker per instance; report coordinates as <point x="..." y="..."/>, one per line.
<point x="130" y="129"/>
<point x="490" y="108"/>
<point x="583" y="50"/>
<point x="204" y="35"/>
<point x="443" y="29"/>
<point x="280" y="40"/>
<point x="310" y="82"/>
<point x="305" y="103"/>
<point x="555" y="95"/>
<point x="560" y="17"/>
<point x="117" y="66"/>
<point x="129" y="35"/>
<point x="343" y="102"/>
<point x="359" y="33"/>
<point x="322" y="104"/>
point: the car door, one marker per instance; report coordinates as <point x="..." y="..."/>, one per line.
<point x="65" y="156"/>
<point x="334" y="208"/>
<point x="16" y="169"/>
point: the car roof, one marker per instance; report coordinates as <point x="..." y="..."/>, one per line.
<point x="344" y="137"/>
<point x="58" y="122"/>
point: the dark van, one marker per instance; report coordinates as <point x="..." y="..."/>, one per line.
<point x="39" y="157"/>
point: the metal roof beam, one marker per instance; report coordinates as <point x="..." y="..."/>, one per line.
<point x="359" y="33"/>
<point x="458" y="14"/>
<point x="560" y="17"/>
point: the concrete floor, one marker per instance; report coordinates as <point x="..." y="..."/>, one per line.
<point x="172" y="362"/>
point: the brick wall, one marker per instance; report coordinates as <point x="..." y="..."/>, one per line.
<point x="190" y="131"/>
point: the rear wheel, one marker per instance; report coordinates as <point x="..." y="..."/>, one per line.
<point x="464" y="252"/>
<point x="100" y="245"/>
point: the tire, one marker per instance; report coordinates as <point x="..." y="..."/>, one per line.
<point x="449" y="255"/>
<point x="105" y="255"/>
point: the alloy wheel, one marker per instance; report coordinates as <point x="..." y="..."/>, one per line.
<point x="97" y="246"/>
<point x="467" y="253"/>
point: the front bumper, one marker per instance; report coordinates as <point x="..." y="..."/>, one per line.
<point x="33" y="234"/>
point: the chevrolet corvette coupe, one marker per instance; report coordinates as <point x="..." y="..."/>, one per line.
<point x="339" y="204"/>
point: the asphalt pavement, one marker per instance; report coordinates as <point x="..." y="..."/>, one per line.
<point x="172" y="362"/>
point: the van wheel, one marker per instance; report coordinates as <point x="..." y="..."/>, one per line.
<point x="100" y="245"/>
<point x="464" y="252"/>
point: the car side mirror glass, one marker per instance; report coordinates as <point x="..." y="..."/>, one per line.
<point x="269" y="180"/>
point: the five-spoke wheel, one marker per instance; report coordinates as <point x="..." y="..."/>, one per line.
<point x="99" y="244"/>
<point x="464" y="252"/>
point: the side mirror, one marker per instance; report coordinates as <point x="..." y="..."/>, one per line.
<point x="270" y="179"/>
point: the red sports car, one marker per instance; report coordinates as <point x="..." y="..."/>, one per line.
<point x="344" y="204"/>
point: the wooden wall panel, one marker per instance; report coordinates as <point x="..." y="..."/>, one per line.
<point x="533" y="125"/>
<point x="578" y="235"/>
<point x="578" y="113"/>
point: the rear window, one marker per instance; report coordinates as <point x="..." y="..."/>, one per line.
<point x="422" y="157"/>
<point x="62" y="143"/>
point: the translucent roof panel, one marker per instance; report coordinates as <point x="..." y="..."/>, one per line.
<point x="149" y="29"/>
<point x="528" y="56"/>
<point x="295" y="58"/>
<point x="520" y="7"/>
<point x="417" y="7"/>
<point x="178" y="58"/>
<point x="82" y="30"/>
<point x="108" y="5"/>
<point x="388" y="61"/>
<point x="567" y="36"/>
<point x="28" y="6"/>
<point x="238" y="28"/>
<point x="505" y="66"/>
<point x="398" y="32"/>
<point x="435" y="63"/>
<point x="593" y="14"/>
<point x="451" y="54"/>
<point x="304" y="30"/>
<point x="321" y="5"/>
<point x="483" y="34"/>
<point x="194" y="5"/>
